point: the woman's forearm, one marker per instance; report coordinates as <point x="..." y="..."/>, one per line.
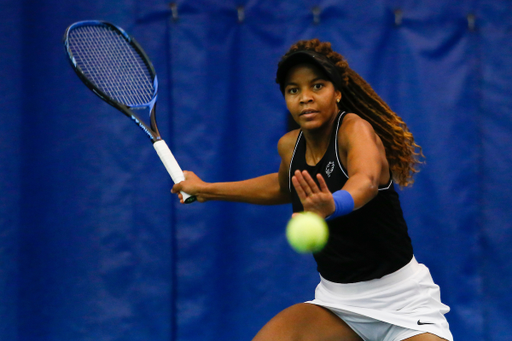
<point x="263" y="190"/>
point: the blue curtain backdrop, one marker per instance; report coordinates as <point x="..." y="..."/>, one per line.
<point x="94" y="247"/>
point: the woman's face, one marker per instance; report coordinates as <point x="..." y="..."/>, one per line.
<point x="310" y="97"/>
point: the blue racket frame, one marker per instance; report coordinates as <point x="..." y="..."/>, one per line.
<point x="151" y="130"/>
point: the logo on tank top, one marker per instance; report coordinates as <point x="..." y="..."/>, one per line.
<point x="329" y="169"/>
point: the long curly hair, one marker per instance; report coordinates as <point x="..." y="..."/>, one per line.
<point x="358" y="97"/>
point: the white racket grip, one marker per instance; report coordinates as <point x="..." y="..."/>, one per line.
<point x="172" y="166"/>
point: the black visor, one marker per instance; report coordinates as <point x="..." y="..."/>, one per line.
<point x="310" y="57"/>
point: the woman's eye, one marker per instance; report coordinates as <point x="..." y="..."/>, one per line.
<point x="318" y="86"/>
<point x="293" y="91"/>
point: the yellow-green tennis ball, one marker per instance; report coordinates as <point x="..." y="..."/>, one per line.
<point x="307" y="232"/>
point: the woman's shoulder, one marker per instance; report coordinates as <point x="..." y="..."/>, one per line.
<point x="355" y="128"/>
<point x="287" y="141"/>
<point x="353" y="121"/>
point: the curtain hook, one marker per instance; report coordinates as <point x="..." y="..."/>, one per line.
<point x="316" y="14"/>
<point x="398" y="17"/>
<point x="174" y="11"/>
<point x="471" y="22"/>
<point x="241" y="14"/>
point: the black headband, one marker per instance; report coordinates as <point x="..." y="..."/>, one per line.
<point x="307" y="56"/>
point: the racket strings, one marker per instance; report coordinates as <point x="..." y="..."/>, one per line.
<point x="112" y="64"/>
<point x="116" y="59"/>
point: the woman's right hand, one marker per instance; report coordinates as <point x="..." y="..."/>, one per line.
<point x="192" y="185"/>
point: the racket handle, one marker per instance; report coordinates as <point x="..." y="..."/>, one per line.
<point x="172" y="167"/>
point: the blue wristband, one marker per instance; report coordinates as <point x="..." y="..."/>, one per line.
<point x="343" y="203"/>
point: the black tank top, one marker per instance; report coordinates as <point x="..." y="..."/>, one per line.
<point x="368" y="243"/>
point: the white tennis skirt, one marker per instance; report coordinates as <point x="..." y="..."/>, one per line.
<point x="408" y="298"/>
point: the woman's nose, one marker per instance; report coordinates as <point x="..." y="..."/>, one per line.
<point x="306" y="97"/>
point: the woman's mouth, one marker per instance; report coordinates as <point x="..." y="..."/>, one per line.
<point x="307" y="112"/>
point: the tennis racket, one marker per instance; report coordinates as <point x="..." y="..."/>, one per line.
<point x="116" y="68"/>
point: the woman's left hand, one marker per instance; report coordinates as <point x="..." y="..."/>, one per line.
<point x="314" y="198"/>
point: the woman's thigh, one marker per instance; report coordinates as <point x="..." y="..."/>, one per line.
<point x="306" y="322"/>
<point x="425" y="337"/>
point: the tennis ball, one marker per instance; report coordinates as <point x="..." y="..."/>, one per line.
<point x="307" y="232"/>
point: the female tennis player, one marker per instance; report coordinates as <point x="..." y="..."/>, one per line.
<point x="342" y="163"/>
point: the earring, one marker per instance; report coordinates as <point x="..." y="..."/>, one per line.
<point x="338" y="100"/>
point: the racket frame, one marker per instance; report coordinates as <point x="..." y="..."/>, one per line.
<point x="151" y="131"/>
